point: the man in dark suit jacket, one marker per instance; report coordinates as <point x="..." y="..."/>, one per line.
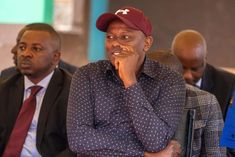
<point x="38" y="55"/>
<point x="6" y="73"/>
<point x="190" y="47"/>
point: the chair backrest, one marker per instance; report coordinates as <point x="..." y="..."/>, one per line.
<point x="185" y="132"/>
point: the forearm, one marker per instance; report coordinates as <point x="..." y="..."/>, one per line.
<point x="153" y="129"/>
<point x="86" y="139"/>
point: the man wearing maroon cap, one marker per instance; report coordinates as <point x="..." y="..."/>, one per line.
<point x="128" y="105"/>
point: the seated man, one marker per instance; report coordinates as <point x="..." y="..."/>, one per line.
<point x="128" y="105"/>
<point x="208" y="123"/>
<point x="6" y="73"/>
<point x="191" y="49"/>
<point x="33" y="102"/>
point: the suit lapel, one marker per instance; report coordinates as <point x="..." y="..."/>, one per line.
<point x="16" y="93"/>
<point x="52" y="93"/>
<point x="207" y="79"/>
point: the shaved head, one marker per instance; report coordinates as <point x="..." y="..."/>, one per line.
<point x="190" y="39"/>
<point x="190" y="48"/>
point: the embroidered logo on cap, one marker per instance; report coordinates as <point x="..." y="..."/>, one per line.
<point x="122" y="11"/>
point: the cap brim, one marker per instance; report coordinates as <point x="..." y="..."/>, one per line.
<point x="104" y="20"/>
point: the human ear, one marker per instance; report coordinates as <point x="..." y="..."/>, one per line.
<point x="148" y="43"/>
<point x="56" y="57"/>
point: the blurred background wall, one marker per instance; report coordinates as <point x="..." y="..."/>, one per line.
<point x="82" y="43"/>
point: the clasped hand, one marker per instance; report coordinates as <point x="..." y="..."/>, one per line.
<point x="173" y="149"/>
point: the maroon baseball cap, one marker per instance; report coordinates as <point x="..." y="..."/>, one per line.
<point x="132" y="17"/>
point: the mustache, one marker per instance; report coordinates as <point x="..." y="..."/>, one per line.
<point x="25" y="61"/>
<point x="118" y="50"/>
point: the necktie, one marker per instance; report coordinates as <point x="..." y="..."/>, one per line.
<point x="22" y="124"/>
